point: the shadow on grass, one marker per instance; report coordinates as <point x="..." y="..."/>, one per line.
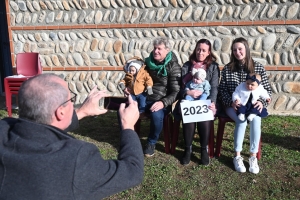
<point x="226" y="160"/>
<point x="105" y="128"/>
<point x="281" y="131"/>
<point x="285" y="141"/>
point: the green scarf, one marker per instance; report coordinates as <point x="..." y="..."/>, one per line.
<point x="150" y="62"/>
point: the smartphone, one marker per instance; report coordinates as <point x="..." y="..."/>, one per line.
<point x="113" y="103"/>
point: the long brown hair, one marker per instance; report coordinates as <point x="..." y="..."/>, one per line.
<point x="234" y="63"/>
<point x="209" y="59"/>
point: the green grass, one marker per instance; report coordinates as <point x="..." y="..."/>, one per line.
<point x="166" y="178"/>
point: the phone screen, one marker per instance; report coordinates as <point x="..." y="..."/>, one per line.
<point x="106" y="102"/>
<point x="113" y="103"/>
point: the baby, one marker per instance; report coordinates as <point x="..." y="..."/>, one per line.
<point x="137" y="81"/>
<point x="198" y="82"/>
<point x="246" y="95"/>
<point x="189" y="76"/>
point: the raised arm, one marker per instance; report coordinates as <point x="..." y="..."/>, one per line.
<point x="96" y="178"/>
<point x="214" y="82"/>
<point x="264" y="81"/>
<point x="225" y="95"/>
<point x="90" y="106"/>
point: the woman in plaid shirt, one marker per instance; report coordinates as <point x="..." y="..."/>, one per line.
<point x="232" y="75"/>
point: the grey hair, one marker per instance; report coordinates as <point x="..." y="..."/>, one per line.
<point x="162" y="40"/>
<point x="40" y="96"/>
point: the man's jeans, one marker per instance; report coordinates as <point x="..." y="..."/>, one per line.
<point x="156" y="124"/>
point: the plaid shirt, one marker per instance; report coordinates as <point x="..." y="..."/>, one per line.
<point x="230" y="80"/>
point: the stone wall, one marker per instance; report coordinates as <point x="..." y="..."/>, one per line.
<point x="88" y="41"/>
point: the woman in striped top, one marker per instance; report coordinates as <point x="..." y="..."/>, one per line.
<point x="234" y="73"/>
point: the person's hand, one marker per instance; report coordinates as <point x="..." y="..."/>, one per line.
<point x="129" y="115"/>
<point x="235" y="106"/>
<point x="157" y="106"/>
<point x="90" y="106"/>
<point x="194" y="93"/>
<point x="212" y="106"/>
<point x="122" y="86"/>
<point x="149" y="90"/>
<point x="259" y="106"/>
<point x="268" y="100"/>
<point x="126" y="91"/>
<point x="237" y="102"/>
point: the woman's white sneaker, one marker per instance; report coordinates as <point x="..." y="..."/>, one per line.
<point x="254" y="168"/>
<point x="238" y="164"/>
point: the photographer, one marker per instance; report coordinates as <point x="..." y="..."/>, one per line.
<point x="40" y="160"/>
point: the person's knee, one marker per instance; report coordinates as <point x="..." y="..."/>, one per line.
<point x="157" y="115"/>
<point x="232" y="114"/>
<point x="256" y="120"/>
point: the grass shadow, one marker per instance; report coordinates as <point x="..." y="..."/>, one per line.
<point x="285" y="141"/>
<point x="108" y="125"/>
<point x="104" y="128"/>
<point x="281" y="131"/>
<point x="226" y="160"/>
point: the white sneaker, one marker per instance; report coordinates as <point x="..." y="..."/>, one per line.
<point x="238" y="164"/>
<point x="251" y="117"/>
<point x="254" y="168"/>
<point x="241" y="117"/>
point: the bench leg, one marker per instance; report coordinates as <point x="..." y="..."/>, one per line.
<point x="220" y="133"/>
<point x="175" y="132"/>
<point x="137" y="127"/>
<point x="167" y="133"/>
<point x="211" y="142"/>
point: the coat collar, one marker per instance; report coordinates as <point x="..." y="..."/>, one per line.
<point x="33" y="132"/>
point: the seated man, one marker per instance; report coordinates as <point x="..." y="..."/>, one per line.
<point x="39" y="160"/>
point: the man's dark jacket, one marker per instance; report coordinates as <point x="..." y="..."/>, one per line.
<point x="166" y="88"/>
<point x="42" y="162"/>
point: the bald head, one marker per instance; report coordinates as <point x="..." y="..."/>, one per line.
<point x="40" y="96"/>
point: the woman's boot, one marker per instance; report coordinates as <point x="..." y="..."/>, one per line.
<point x="185" y="160"/>
<point x="204" y="156"/>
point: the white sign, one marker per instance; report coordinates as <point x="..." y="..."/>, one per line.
<point x="196" y="111"/>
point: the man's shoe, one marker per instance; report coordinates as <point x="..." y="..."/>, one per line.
<point x="186" y="158"/>
<point x="238" y="164"/>
<point x="254" y="168"/>
<point x="149" y="150"/>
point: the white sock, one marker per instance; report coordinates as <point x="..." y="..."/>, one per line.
<point x="241" y="117"/>
<point x="251" y="117"/>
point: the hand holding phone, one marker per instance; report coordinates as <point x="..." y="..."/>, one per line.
<point x="113" y="102"/>
<point x="90" y="106"/>
<point x="129" y="115"/>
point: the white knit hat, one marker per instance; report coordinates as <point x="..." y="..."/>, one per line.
<point x="135" y="63"/>
<point x="199" y="73"/>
